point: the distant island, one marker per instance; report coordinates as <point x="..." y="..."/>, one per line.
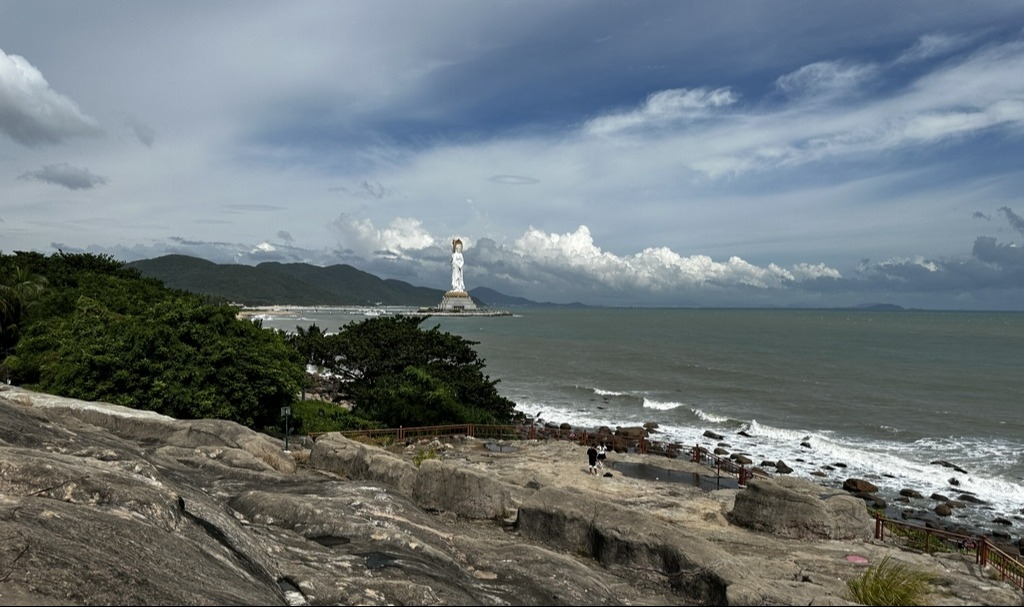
<point x="880" y="307"/>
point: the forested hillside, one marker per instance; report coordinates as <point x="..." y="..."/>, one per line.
<point x="274" y="283"/>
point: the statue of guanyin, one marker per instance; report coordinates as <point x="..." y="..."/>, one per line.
<point x="457" y="262"/>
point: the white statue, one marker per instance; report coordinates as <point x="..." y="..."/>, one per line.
<point x="457" y="263"/>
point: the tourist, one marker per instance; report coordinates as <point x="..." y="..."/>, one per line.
<point x="602" y="452"/>
<point x="592" y="458"/>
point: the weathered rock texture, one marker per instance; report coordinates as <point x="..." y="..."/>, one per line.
<point x="105" y="505"/>
<point x="795" y="508"/>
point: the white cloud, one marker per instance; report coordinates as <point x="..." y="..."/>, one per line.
<point x="662" y="108"/>
<point x="401" y="235"/>
<point x="826" y="79"/>
<point x="827" y="120"/>
<point x="31" y="112"/>
<point x="929" y="46"/>
<point x="656" y="268"/>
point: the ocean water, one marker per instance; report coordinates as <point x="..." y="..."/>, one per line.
<point x="885" y="394"/>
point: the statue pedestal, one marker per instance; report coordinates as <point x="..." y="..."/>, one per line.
<point x="456" y="301"/>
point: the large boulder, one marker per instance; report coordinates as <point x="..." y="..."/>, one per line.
<point x="796" y="508"/>
<point x="443" y="487"/>
<point x="334" y="453"/>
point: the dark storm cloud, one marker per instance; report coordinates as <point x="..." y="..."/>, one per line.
<point x="64" y="175"/>
<point x="1015" y="220"/>
<point x="988" y="250"/>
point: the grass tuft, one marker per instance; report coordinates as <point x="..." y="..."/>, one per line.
<point x="890" y="582"/>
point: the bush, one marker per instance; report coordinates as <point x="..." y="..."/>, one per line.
<point x="319" y="416"/>
<point x="890" y="582"/>
<point x="423" y="455"/>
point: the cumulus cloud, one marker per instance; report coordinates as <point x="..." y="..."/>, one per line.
<point x="653" y="269"/>
<point x="31" y="112"/>
<point x="64" y="175"/>
<point x="402" y="234"/>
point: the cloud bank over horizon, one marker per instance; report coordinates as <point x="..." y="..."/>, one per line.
<point x="642" y="154"/>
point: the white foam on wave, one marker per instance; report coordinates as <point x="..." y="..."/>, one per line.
<point x="895" y="465"/>
<point x="601" y="392"/>
<point x="891" y="465"/>
<point x="661" y="405"/>
<point x="709" y="417"/>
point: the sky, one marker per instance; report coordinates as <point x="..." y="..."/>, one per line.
<point x="623" y="153"/>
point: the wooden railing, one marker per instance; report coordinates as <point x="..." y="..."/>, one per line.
<point x="474" y="430"/>
<point x="700" y="455"/>
<point x="986" y="554"/>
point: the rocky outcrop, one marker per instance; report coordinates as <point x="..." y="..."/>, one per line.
<point x="105" y="505"/>
<point x="792" y="507"/>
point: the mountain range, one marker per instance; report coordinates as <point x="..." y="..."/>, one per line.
<point x="273" y="283"/>
<point x="300" y="284"/>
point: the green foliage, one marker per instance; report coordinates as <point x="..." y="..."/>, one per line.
<point x="20" y="288"/>
<point x="402" y="375"/>
<point x="309" y="416"/>
<point x="102" y="332"/>
<point x="424" y="455"/>
<point x="890" y="582"/>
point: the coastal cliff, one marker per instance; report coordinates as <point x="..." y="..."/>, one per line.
<point x="100" y="504"/>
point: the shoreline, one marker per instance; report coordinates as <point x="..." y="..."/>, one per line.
<point x="937" y="511"/>
<point x="368" y="311"/>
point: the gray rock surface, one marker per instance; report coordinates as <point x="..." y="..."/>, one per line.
<point x="795" y="508"/>
<point x="105" y="505"/>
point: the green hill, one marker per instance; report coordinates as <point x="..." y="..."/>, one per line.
<point x="274" y="283"/>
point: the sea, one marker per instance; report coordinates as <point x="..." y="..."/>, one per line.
<point x="927" y="400"/>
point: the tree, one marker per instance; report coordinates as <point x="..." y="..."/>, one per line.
<point x="19" y="289"/>
<point x="402" y="375"/>
<point x="107" y="334"/>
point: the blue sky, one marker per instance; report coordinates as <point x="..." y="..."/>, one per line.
<point x="612" y="153"/>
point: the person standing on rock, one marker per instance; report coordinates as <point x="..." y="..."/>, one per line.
<point x="592" y="458"/>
